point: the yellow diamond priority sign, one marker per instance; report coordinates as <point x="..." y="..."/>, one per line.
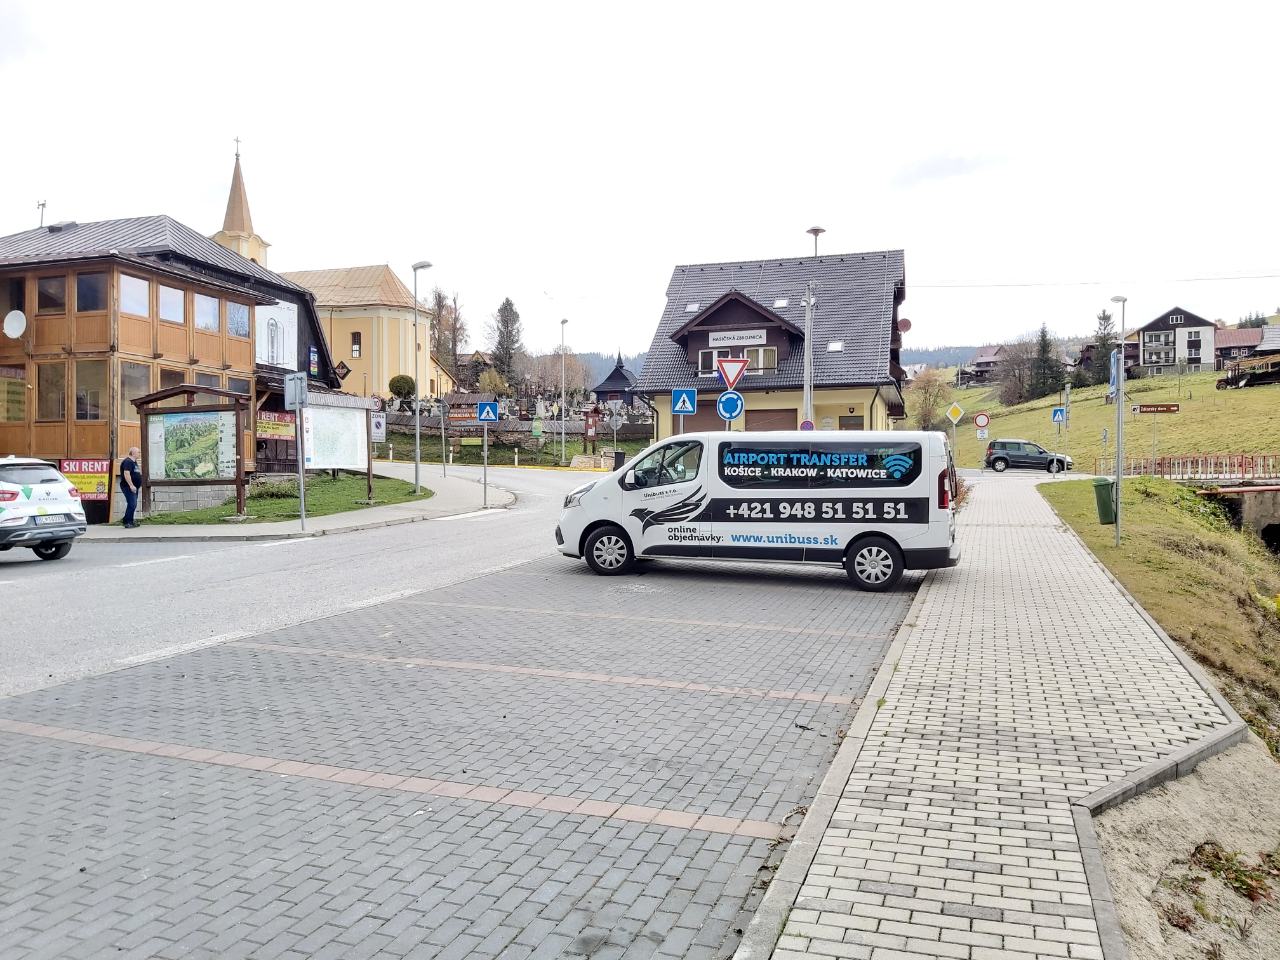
<point x="954" y="413"/>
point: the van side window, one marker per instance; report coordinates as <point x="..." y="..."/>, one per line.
<point x="674" y="463"/>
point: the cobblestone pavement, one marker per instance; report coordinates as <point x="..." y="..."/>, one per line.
<point x="535" y="763"/>
<point x="1027" y="682"/>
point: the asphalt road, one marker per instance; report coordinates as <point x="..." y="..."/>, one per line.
<point x="109" y="605"/>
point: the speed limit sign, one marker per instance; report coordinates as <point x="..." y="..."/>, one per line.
<point x="981" y="420"/>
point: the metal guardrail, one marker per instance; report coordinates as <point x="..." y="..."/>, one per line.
<point x="1204" y="466"/>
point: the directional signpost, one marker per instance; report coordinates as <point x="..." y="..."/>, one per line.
<point x="1155" y="408"/>
<point x="295" y="399"/>
<point x="486" y="413"/>
<point x="684" y="402"/>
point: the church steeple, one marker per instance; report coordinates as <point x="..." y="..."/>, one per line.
<point x="237" y="232"/>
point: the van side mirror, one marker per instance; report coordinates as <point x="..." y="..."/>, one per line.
<point x="629" y="480"/>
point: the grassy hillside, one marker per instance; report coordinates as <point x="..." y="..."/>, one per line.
<point x="1179" y="553"/>
<point x="1210" y="421"/>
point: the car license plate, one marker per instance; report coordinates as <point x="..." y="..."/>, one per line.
<point x="54" y="518"/>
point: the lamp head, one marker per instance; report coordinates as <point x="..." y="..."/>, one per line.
<point x="1119" y="299"/>
<point x="422" y="265"/>
<point x="564" y="321"/>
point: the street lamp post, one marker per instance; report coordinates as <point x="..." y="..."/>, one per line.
<point x="1119" y="411"/>
<point x="562" y="400"/>
<point x="417" y="383"/>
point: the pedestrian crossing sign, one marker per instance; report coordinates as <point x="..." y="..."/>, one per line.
<point x="1059" y="414"/>
<point x="684" y="402"/>
<point x="487" y="411"/>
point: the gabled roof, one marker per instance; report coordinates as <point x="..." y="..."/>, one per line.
<point x="153" y="237"/>
<point x="856" y="297"/>
<point x="988" y="354"/>
<point x="1191" y="320"/>
<point x="619" y="380"/>
<point x="733" y="296"/>
<point x="1230" y="338"/>
<point x="1270" y="342"/>
<point x="375" y="285"/>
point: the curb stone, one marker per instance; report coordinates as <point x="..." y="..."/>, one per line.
<point x="1175" y="765"/>
<point x="299" y="534"/>
<point x="766" y="925"/>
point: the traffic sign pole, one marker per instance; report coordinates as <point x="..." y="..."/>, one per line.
<point x="484" y="471"/>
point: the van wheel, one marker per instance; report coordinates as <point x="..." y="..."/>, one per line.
<point x="52" y="551"/>
<point x="999" y="466"/>
<point x="874" y="564"/>
<point x="608" y="551"/>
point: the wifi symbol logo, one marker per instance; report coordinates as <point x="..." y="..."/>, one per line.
<point x="897" y="464"/>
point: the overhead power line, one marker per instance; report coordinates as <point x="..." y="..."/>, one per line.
<point x="1088" y="283"/>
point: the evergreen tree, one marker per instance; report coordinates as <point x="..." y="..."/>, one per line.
<point x="1105" y="337"/>
<point x="504" y="330"/>
<point x="1046" y="366"/>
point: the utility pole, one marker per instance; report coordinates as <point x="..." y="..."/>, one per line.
<point x="1119" y="411"/>
<point x="809" y="302"/>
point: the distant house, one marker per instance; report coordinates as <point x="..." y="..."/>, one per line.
<point x="1088" y="354"/>
<point x="911" y="371"/>
<point x="982" y="366"/>
<point x="1270" y="342"/>
<point x="620" y="384"/>
<point x="1177" y="336"/>
<point x="1235" y="344"/>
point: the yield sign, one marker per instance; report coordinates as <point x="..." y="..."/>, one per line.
<point x="732" y="369"/>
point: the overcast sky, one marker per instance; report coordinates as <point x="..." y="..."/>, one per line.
<point x="568" y="156"/>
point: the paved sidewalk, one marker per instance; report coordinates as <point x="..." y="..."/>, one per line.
<point x="1026" y="682"/>
<point x="452" y="495"/>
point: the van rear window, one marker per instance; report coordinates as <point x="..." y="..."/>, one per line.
<point x="818" y="465"/>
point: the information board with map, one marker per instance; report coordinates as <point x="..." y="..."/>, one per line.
<point x="335" y="438"/>
<point x="192" y="446"/>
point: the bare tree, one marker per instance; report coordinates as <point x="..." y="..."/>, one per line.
<point x="457" y="336"/>
<point x="927" y="397"/>
<point x="1017" y="370"/>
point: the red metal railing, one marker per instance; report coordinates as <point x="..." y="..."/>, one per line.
<point x="1198" y="466"/>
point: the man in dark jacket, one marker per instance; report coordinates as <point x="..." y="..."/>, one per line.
<point x="130" y="484"/>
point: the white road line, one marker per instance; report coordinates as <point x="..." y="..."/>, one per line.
<point x="281" y="543"/>
<point x="462" y="516"/>
<point x="176" y="649"/>
<point x="385" y="598"/>
<point x="145" y="563"/>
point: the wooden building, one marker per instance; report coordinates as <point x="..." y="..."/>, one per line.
<point x="118" y="309"/>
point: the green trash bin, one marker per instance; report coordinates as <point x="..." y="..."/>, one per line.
<point x="1104" y="493"/>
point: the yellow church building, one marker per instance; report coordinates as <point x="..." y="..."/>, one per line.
<point x="367" y="316"/>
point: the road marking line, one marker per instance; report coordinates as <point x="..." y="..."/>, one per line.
<point x="145" y="563"/>
<point x="461" y="516"/>
<point x="458" y="789"/>
<point x="599" y="615"/>
<point x="177" y="648"/>
<point x="281" y="543"/>
<point x="480" y="666"/>
<point x="385" y="598"/>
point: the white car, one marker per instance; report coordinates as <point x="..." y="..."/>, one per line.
<point x="39" y="508"/>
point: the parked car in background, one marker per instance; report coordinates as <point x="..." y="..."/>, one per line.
<point x="1004" y="454"/>
<point x="40" y="509"/>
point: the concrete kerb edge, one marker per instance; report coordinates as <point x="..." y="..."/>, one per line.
<point x="300" y="534"/>
<point x="770" y="917"/>
<point x="1175" y="765"/>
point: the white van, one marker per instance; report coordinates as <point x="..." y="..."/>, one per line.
<point x="875" y="503"/>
